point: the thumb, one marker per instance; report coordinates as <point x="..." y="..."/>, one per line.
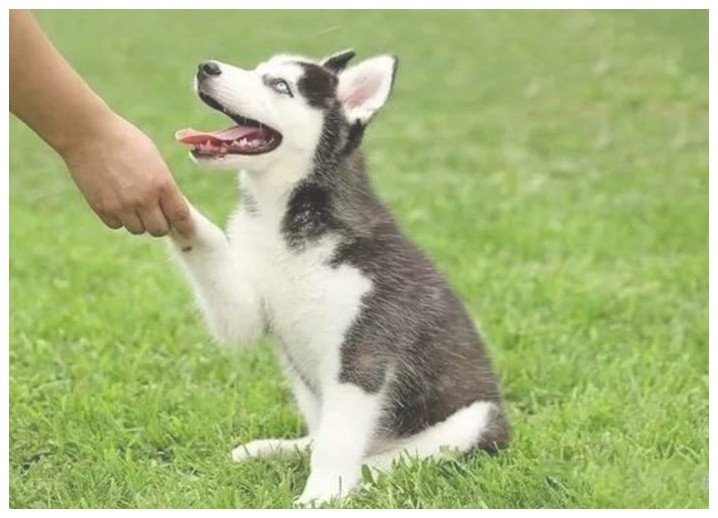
<point x="176" y="210"/>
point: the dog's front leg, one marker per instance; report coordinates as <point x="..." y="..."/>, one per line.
<point x="347" y="422"/>
<point x="221" y="285"/>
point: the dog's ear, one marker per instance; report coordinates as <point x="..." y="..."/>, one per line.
<point x="364" y="88"/>
<point x="338" y="62"/>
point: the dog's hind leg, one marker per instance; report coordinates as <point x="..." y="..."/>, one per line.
<point x="480" y="424"/>
<point x="221" y="285"/>
<point x="267" y="447"/>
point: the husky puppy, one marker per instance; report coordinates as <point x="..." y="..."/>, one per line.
<point x="383" y="359"/>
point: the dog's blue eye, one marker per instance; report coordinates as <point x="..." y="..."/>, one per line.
<point x="281" y="86"/>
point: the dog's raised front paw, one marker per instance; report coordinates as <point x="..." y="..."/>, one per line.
<point x="202" y="234"/>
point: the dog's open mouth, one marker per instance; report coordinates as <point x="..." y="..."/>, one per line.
<point x="247" y="137"/>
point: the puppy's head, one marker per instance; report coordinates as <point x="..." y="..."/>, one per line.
<point x="280" y="109"/>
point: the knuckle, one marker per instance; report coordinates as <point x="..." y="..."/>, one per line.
<point x="106" y="208"/>
<point x="163" y="185"/>
<point x="129" y="204"/>
<point x="138" y="200"/>
<point x="144" y="201"/>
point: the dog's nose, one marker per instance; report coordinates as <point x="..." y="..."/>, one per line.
<point x="207" y="69"/>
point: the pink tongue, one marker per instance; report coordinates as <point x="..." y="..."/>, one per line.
<point x="190" y="136"/>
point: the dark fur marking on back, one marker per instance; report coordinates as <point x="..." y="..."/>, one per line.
<point x="413" y="326"/>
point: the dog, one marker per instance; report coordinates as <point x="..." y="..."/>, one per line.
<point x="383" y="359"/>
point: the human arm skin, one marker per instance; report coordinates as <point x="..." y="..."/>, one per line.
<point x="116" y="166"/>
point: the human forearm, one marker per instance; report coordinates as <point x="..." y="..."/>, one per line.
<point x="45" y="92"/>
<point x="115" y="165"/>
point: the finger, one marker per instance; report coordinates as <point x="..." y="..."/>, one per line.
<point x="132" y="222"/>
<point x="111" y="221"/>
<point x="154" y="221"/>
<point x="176" y="210"/>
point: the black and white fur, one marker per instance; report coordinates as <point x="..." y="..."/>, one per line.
<point x="383" y="358"/>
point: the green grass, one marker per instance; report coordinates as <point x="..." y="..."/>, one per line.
<point x="554" y="164"/>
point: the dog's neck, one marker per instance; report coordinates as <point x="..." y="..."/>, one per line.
<point x="269" y="192"/>
<point x="270" y="188"/>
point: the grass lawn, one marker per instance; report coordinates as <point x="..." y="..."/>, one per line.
<point x="555" y="165"/>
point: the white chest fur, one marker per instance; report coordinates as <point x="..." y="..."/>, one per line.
<point x="308" y="304"/>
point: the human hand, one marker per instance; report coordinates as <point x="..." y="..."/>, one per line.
<point x="125" y="180"/>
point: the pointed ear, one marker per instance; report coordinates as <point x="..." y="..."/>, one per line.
<point x="364" y="88"/>
<point x="338" y="62"/>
